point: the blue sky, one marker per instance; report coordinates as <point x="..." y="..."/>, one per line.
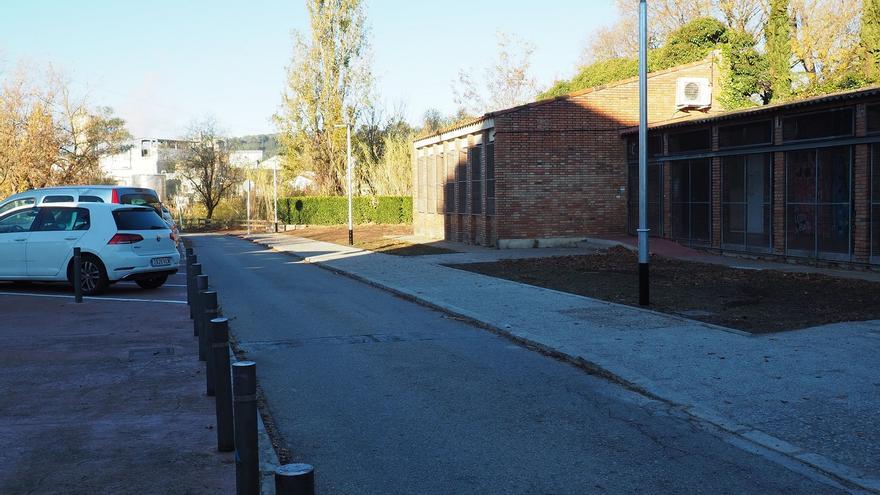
<point x="162" y="63"/>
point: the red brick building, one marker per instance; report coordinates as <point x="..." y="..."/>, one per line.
<point x="563" y="169"/>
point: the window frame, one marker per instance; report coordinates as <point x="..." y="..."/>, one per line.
<point x="816" y="112"/>
<point x="816" y="204"/>
<point x="670" y="152"/>
<point x="769" y="142"/>
<point x="868" y="130"/>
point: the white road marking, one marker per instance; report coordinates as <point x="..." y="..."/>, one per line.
<point x="62" y="296"/>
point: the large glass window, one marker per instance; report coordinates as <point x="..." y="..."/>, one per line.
<point x="874" y="118"/>
<point x="449" y="191"/>
<point x="818" y="205"/>
<point x="875" y="203"/>
<point x="423" y="182"/>
<point x="461" y="179"/>
<point x="753" y="133"/>
<point x="655" y="190"/>
<point x="490" y="178"/>
<point x="683" y="142"/>
<point x="691" y="182"/>
<point x="431" y="185"/>
<point x="746" y="217"/>
<point x="475" y="159"/>
<point x="818" y="125"/>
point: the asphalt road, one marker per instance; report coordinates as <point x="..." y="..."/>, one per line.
<point x="385" y="396"/>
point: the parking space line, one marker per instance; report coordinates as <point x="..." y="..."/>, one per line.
<point x="122" y="299"/>
<point x="163" y="285"/>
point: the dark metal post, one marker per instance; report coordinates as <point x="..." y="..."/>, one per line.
<point x="643" y="154"/>
<point x="247" y="456"/>
<point x="77" y="275"/>
<point x="192" y="271"/>
<point x="200" y="283"/>
<point x="295" y="479"/>
<point x="210" y="309"/>
<point x="200" y="322"/>
<point x="219" y="331"/>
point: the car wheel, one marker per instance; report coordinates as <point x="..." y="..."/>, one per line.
<point x="92" y="276"/>
<point x="152" y="283"/>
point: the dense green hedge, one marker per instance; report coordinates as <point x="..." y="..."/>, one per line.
<point x="333" y="210"/>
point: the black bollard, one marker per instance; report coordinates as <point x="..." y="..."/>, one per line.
<point x="247" y="455"/>
<point x="77" y="275"/>
<point x="201" y="284"/>
<point x="199" y="323"/>
<point x="210" y="310"/>
<point x="295" y="479"/>
<point x="192" y="271"/>
<point x="219" y="332"/>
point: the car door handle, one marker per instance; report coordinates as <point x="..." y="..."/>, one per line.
<point x="21" y="240"/>
<point x="70" y="238"/>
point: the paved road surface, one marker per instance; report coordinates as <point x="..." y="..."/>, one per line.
<point x="386" y="396"/>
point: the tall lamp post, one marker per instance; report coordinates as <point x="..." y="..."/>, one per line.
<point x="348" y="175"/>
<point x="644" y="298"/>
<point x="275" y="194"/>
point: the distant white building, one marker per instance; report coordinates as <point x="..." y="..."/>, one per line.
<point x="246" y="158"/>
<point x="149" y="162"/>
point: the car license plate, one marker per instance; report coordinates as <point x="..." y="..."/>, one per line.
<point x="161" y="261"/>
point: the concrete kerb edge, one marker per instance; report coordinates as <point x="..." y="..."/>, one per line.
<point x="846" y="475"/>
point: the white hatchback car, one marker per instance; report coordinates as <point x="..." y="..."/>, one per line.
<point x="118" y="242"/>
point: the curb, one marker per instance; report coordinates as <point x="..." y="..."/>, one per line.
<point x="836" y="473"/>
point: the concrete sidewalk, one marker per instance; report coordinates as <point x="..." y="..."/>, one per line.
<point x="104" y="397"/>
<point x="809" y="395"/>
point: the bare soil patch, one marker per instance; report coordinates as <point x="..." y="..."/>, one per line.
<point x="757" y="301"/>
<point x="378" y="238"/>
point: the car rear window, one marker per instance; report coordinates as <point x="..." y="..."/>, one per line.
<point x="141" y="199"/>
<point x="57" y="199"/>
<point x="138" y="219"/>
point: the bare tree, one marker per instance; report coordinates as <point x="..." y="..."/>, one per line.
<point x="825" y="36"/>
<point x="507" y="82"/>
<point x="205" y="165"/>
<point x="49" y="137"/>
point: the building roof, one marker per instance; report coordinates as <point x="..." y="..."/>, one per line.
<point x="840" y="96"/>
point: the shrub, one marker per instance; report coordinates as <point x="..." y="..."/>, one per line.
<point x="333" y="210"/>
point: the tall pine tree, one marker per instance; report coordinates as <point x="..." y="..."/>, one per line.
<point x="777" y="34"/>
<point x="870" y="39"/>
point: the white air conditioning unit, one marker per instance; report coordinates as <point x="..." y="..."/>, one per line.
<point x="693" y="92"/>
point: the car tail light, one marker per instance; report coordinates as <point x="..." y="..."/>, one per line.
<point x="115" y="197"/>
<point x="126" y="239"/>
<point x="173" y="236"/>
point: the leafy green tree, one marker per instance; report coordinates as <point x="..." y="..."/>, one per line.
<point x="328" y="84"/>
<point x="690" y="43"/>
<point x="746" y="72"/>
<point x="777" y="34"/>
<point x="870" y="39"/>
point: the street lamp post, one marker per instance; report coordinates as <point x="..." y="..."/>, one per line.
<point x="275" y="194"/>
<point x="348" y="175"/>
<point x="248" y="203"/>
<point x="643" y="154"/>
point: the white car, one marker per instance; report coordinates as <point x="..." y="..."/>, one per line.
<point x="90" y="194"/>
<point x="118" y="242"/>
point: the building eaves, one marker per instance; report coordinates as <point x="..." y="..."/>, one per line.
<point x="847" y="95"/>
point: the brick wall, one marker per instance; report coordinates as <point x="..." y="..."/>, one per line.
<point x="561" y="165"/>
